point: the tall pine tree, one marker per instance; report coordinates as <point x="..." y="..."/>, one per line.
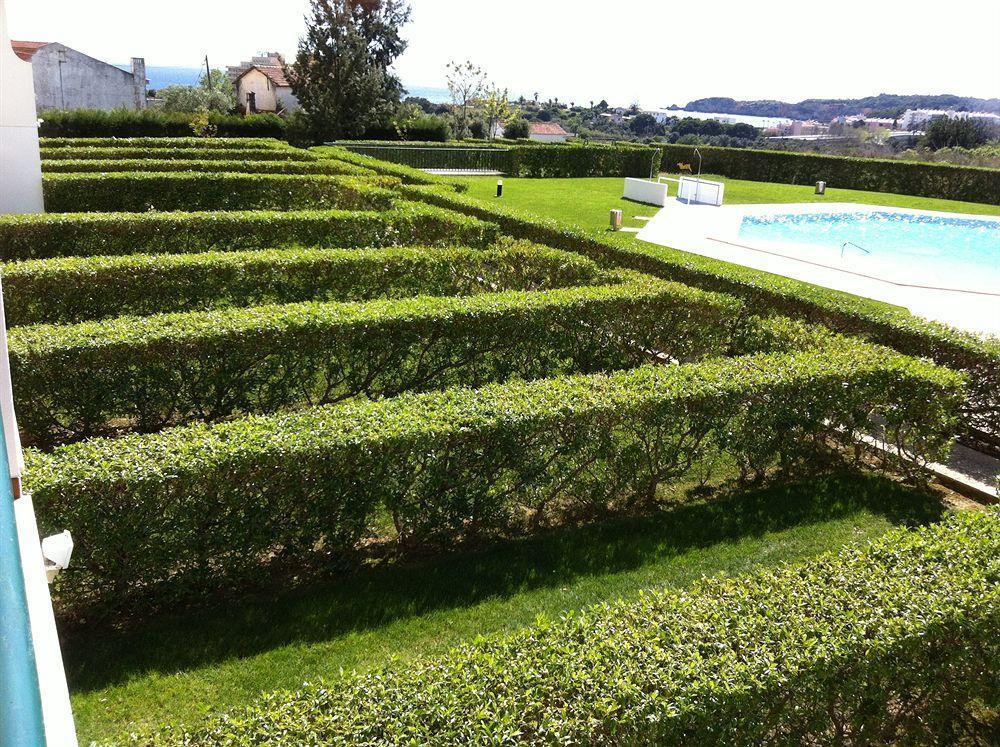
<point x="341" y="74"/>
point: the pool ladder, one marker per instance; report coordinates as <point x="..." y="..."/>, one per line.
<point x="846" y="244"/>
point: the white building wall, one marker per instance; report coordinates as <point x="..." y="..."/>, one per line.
<point x="67" y="79"/>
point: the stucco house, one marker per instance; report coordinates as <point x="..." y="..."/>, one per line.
<point x="262" y="86"/>
<point x="548" y="132"/>
<point x="68" y="79"/>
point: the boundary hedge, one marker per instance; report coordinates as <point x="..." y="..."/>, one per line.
<point x="78" y="289"/>
<point x="891" y="643"/>
<point x="154" y="123"/>
<point x="85" y="234"/>
<point x="170" y="143"/>
<point x="175" y="514"/>
<point x="140" y="192"/>
<point x="944" y="181"/>
<point x="50" y="155"/>
<point x="154" y="165"/>
<point x="404" y="173"/>
<point x="766" y="293"/>
<point x="150" y="372"/>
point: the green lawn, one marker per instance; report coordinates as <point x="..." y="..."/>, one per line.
<point x="178" y="668"/>
<point x="586" y="202"/>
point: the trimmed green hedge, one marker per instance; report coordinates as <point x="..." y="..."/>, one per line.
<point x="150" y="372"/>
<point x="78" y="289"/>
<point x="50" y="155"/>
<point x="889" y="643"/>
<point x="58" y="235"/>
<point x="405" y="174"/>
<point x="536" y="160"/>
<point x="943" y="181"/>
<point x="766" y="293"/>
<point x="167" y="143"/>
<point x="153" y="165"/>
<point x="140" y="192"/>
<point x="177" y="513"/>
<point x="154" y="123"/>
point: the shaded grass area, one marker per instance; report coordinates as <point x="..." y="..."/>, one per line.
<point x="177" y="668"/>
<point x="586" y="202"/>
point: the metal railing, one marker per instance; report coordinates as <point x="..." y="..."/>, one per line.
<point x="471" y="160"/>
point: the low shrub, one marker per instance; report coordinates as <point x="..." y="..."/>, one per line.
<point x="176" y="513"/>
<point x="943" y="181"/>
<point x="151" y="372"/>
<point x="890" y="643"/>
<point x="765" y="294"/>
<point x="406" y="174"/>
<point x="154" y="165"/>
<point x="59" y="235"/>
<point x="51" y="155"/>
<point x="146" y="144"/>
<point x="153" y="123"/>
<point x="77" y="289"/>
<point x="140" y="192"/>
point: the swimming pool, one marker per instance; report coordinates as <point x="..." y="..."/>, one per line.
<point x="943" y="251"/>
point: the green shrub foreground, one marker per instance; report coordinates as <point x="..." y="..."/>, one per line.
<point x="943" y="181"/>
<point x="106" y="153"/>
<point x="25" y="237"/>
<point x="77" y="289"/>
<point x="141" y="191"/>
<point x="890" y="643"/>
<point x="154" y="165"/>
<point x="177" y="513"/>
<point x="766" y="293"/>
<point x="153" y="123"/>
<point x="168" y="143"/>
<point x="150" y="372"/>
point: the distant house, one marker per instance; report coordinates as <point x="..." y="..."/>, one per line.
<point x="262" y="86"/>
<point x="67" y="79"/>
<point x="548" y="132"/>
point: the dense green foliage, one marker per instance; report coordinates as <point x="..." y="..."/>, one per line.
<point x="77" y="289"/>
<point x="890" y="643"/>
<point x="960" y="132"/>
<point x="404" y="173"/>
<point x="155" y="165"/>
<point x="150" y="372"/>
<point x="178" y="511"/>
<point x="147" y="144"/>
<point x="767" y="293"/>
<point x="152" y="123"/>
<point x="139" y="152"/>
<point x="901" y="177"/>
<point x="142" y="191"/>
<point x="87" y="234"/>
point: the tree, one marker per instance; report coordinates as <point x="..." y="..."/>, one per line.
<point x="341" y="73"/>
<point x="497" y="110"/>
<point x="961" y="132"/>
<point x="212" y="94"/>
<point x="644" y="125"/>
<point x="465" y="84"/>
<point x="517" y="129"/>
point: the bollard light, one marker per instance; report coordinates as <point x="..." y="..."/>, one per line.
<point x="499" y="187"/>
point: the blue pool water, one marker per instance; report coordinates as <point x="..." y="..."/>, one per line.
<point x="955" y="251"/>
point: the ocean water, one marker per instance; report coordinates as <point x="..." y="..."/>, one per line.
<point x="940" y="250"/>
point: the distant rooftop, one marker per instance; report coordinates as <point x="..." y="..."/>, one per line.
<point x="271" y="64"/>
<point x="547" y="128"/>
<point x="26" y="49"/>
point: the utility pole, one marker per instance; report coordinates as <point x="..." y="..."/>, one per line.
<point x="208" y="74"/>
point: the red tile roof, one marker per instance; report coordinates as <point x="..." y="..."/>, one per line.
<point x="547" y="128"/>
<point x="26" y="50"/>
<point x="272" y="65"/>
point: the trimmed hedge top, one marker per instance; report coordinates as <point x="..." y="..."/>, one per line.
<point x="890" y="644"/>
<point x="147" y="143"/>
<point x="254" y="166"/>
<point x="172" y="154"/>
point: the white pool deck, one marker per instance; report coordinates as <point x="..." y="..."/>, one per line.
<point x="714" y="232"/>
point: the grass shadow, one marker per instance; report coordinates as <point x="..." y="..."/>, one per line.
<point x="322" y="611"/>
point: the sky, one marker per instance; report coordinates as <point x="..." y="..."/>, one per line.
<point x="654" y="52"/>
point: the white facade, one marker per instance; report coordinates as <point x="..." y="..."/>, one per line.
<point x="914" y="119"/>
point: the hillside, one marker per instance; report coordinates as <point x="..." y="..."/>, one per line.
<point x="884" y="104"/>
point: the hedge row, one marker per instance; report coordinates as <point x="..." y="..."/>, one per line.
<point x="154" y="165"/>
<point x="177" y="513"/>
<point x="943" y="181"/>
<point x="168" y="143"/>
<point x="549" y="160"/>
<point x="767" y="293"/>
<point x="153" y="123"/>
<point x="175" y="154"/>
<point x="889" y="643"/>
<point x="405" y="174"/>
<point x="77" y="289"/>
<point x="146" y="373"/>
<point x="58" y="235"/>
<point x="140" y="192"/>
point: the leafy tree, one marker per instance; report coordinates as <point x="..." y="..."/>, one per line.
<point x="212" y="94"/>
<point x="341" y="74"/>
<point x="517" y="129"/>
<point x="963" y="132"/>
<point x="497" y="110"/>
<point x="466" y="83"/>
<point x="644" y="125"/>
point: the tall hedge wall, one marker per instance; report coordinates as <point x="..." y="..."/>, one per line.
<point x="767" y="293"/>
<point x="944" y="181"/>
<point x="166" y="143"/>
<point x="142" y="191"/>
<point x="61" y="235"/>
<point x="176" y="513"/>
<point x="150" y="372"/>
<point x="890" y="643"/>
<point x="104" y="153"/>
<point x="152" y="123"/>
<point x="77" y="289"/>
<point x="156" y="165"/>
